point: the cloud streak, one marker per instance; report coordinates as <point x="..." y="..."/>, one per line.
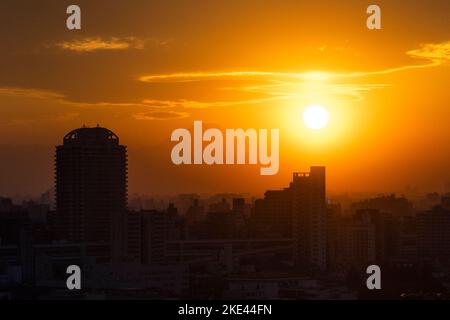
<point x="30" y="93"/>
<point x="160" y="115"/>
<point x="436" y="52"/>
<point x="153" y="109"/>
<point x="293" y="85"/>
<point x="91" y="44"/>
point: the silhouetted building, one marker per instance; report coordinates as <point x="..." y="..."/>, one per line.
<point x="134" y="236"/>
<point x="433" y="234"/>
<point x="6" y="205"/>
<point x="175" y="223"/>
<point x="408" y="239"/>
<point x="299" y="212"/>
<point x="273" y="214"/>
<point x="309" y="218"/>
<point x="239" y="205"/>
<point x="387" y="228"/>
<point x="333" y="218"/>
<point x="398" y="206"/>
<point x="195" y="213"/>
<point x="445" y="201"/>
<point x="91" y="188"/>
<point x="154" y="236"/>
<point x="221" y="206"/>
<point x="16" y="230"/>
<point x="356" y="242"/>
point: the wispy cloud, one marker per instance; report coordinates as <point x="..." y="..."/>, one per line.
<point x="152" y="109"/>
<point x="30" y="93"/>
<point x="293" y="85"/>
<point x="160" y="115"/>
<point x="436" y="52"/>
<point x="270" y="86"/>
<point x="94" y="44"/>
<point x="91" y="44"/>
<point x="205" y="76"/>
<point x="36" y="94"/>
<point x="192" y="104"/>
<point x="60" y="98"/>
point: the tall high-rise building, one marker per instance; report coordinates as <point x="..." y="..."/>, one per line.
<point x="91" y="188"/>
<point x="433" y="235"/>
<point x="273" y="215"/>
<point x="309" y="219"/>
<point x="355" y="241"/>
<point x="154" y="236"/>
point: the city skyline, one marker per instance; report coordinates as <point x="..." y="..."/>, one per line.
<point x="293" y="243"/>
<point x="411" y="190"/>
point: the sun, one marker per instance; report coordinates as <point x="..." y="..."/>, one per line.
<point x="315" y="117"/>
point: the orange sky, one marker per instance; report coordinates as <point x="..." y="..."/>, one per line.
<point x="147" y="68"/>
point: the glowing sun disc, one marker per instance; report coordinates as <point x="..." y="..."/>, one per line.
<point x="315" y="117"/>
